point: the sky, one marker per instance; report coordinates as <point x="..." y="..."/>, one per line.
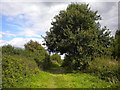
<point x="23" y="20"/>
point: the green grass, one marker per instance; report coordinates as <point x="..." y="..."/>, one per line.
<point x="71" y="80"/>
<point x="55" y="77"/>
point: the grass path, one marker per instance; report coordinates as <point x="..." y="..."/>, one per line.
<point x="49" y="80"/>
<point x="56" y="78"/>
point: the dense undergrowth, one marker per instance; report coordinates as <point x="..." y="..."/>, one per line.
<point x="16" y="68"/>
<point x="37" y="69"/>
<point x="105" y="68"/>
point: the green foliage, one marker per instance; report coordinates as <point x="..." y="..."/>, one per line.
<point x="67" y="64"/>
<point x="19" y="63"/>
<point x="33" y="50"/>
<point x="56" y="57"/>
<point x="46" y="62"/>
<point x="76" y="33"/>
<point x="15" y="68"/>
<point x="116" y="45"/>
<point x="8" y="49"/>
<point x="20" y="71"/>
<point x="33" y="46"/>
<point x="106" y="68"/>
<point x="38" y="53"/>
<point x="72" y="64"/>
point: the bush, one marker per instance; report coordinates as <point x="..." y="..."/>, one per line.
<point x="15" y="68"/>
<point x="8" y="49"/>
<point x="35" y="51"/>
<point x="106" y="68"/>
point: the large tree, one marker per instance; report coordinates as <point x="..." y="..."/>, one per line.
<point x="76" y="33"/>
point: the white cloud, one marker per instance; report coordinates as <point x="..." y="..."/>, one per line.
<point x="59" y="1"/>
<point x="20" y="42"/>
<point x="0" y="35"/>
<point x="35" y="18"/>
<point x="7" y="33"/>
<point x="31" y="17"/>
<point x="2" y="42"/>
<point x="109" y="14"/>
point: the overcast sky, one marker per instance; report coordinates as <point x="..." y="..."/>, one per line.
<point x="25" y="20"/>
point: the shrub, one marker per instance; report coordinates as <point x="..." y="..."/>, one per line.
<point x="35" y="51"/>
<point x="15" y="68"/>
<point x="106" y="68"/>
<point x="8" y="49"/>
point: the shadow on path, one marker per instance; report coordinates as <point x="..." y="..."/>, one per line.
<point x="56" y="69"/>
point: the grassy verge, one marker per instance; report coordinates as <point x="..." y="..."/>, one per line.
<point x="73" y="80"/>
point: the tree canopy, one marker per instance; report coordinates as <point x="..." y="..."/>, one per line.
<point x="77" y="33"/>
